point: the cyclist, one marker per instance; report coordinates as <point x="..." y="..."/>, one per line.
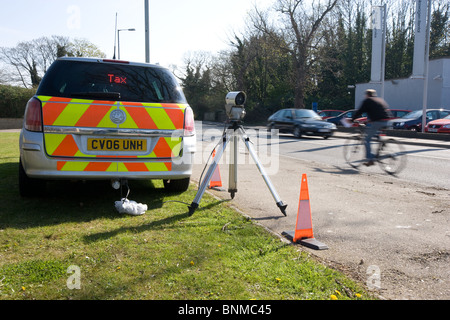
<point x="377" y="115"/>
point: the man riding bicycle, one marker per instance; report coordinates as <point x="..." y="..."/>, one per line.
<point x="377" y="115"/>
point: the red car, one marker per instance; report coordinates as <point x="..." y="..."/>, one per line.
<point x="439" y="125"/>
<point x="396" y="113"/>
<point x="325" y="114"/>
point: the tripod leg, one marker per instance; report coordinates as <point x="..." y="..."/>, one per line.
<point x="232" y="173"/>
<point x="261" y="169"/>
<point x="208" y="176"/>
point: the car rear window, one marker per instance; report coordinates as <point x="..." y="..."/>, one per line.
<point x="304" y="113"/>
<point x="110" y="81"/>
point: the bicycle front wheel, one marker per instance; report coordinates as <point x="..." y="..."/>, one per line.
<point x="391" y="156"/>
<point x="354" y="152"/>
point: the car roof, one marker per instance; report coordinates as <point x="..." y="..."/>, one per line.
<point x="104" y="60"/>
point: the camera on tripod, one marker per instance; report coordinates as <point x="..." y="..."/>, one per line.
<point x="234" y="106"/>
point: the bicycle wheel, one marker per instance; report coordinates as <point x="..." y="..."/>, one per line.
<point x="354" y="152"/>
<point x="391" y="156"/>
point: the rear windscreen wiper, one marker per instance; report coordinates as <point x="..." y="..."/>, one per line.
<point x="99" y="95"/>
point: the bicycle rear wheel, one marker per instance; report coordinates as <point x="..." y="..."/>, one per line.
<point x="354" y="152"/>
<point x="391" y="156"/>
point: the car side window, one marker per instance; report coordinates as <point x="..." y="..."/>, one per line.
<point x="287" y="114"/>
<point x="275" y="116"/>
<point x="431" y="115"/>
<point x="444" y="114"/>
<point x="278" y="115"/>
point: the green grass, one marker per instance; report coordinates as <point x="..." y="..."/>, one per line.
<point x="164" y="254"/>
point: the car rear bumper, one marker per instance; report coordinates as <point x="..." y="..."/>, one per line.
<point x="37" y="164"/>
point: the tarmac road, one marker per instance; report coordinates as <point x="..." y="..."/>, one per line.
<point x="391" y="233"/>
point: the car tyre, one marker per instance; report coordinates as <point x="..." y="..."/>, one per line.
<point x="180" y="185"/>
<point x="29" y="186"/>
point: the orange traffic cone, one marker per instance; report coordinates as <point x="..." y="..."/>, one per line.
<point x="216" y="180"/>
<point x="303" y="226"/>
<point x="303" y="233"/>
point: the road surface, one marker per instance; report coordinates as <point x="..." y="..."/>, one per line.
<point x="391" y="233"/>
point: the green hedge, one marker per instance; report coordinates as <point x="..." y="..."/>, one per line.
<point x="13" y="101"/>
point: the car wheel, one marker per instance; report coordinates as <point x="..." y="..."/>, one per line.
<point x="29" y="186"/>
<point x="297" y="132"/>
<point x="180" y="185"/>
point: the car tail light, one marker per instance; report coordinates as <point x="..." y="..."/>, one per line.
<point x="33" y="115"/>
<point x="116" y="61"/>
<point x="189" y="125"/>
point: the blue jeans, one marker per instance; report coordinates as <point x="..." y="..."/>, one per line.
<point x="372" y="129"/>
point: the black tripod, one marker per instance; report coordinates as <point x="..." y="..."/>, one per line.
<point x="231" y="134"/>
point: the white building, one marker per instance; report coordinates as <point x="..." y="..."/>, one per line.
<point x="408" y="93"/>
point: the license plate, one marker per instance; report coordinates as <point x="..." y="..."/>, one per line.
<point x="324" y="130"/>
<point x="432" y="130"/>
<point x="117" y="144"/>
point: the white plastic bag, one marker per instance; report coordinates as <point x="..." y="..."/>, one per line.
<point x="130" y="207"/>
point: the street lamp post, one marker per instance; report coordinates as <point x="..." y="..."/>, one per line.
<point x="147" y="33"/>
<point x="118" y="39"/>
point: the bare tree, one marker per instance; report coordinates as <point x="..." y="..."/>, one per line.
<point x="29" y="60"/>
<point x="302" y="23"/>
<point x="24" y="62"/>
<point x="83" y="48"/>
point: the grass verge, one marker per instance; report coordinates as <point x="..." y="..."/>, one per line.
<point x="71" y="243"/>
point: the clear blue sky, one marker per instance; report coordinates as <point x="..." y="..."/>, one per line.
<point x="176" y="26"/>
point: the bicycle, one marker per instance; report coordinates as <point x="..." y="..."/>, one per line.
<point x="389" y="154"/>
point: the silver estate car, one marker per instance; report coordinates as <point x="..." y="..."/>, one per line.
<point x="106" y="120"/>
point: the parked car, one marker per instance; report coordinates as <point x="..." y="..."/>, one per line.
<point x="413" y="120"/>
<point x="300" y="122"/>
<point x="344" y="115"/>
<point x="325" y="114"/>
<point x="106" y="120"/>
<point x="439" y="126"/>
<point x="396" y="113"/>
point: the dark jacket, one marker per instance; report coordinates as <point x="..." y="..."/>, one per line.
<point x="376" y="108"/>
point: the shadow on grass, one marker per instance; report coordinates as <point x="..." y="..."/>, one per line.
<point x="68" y="201"/>
<point x="154" y="225"/>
